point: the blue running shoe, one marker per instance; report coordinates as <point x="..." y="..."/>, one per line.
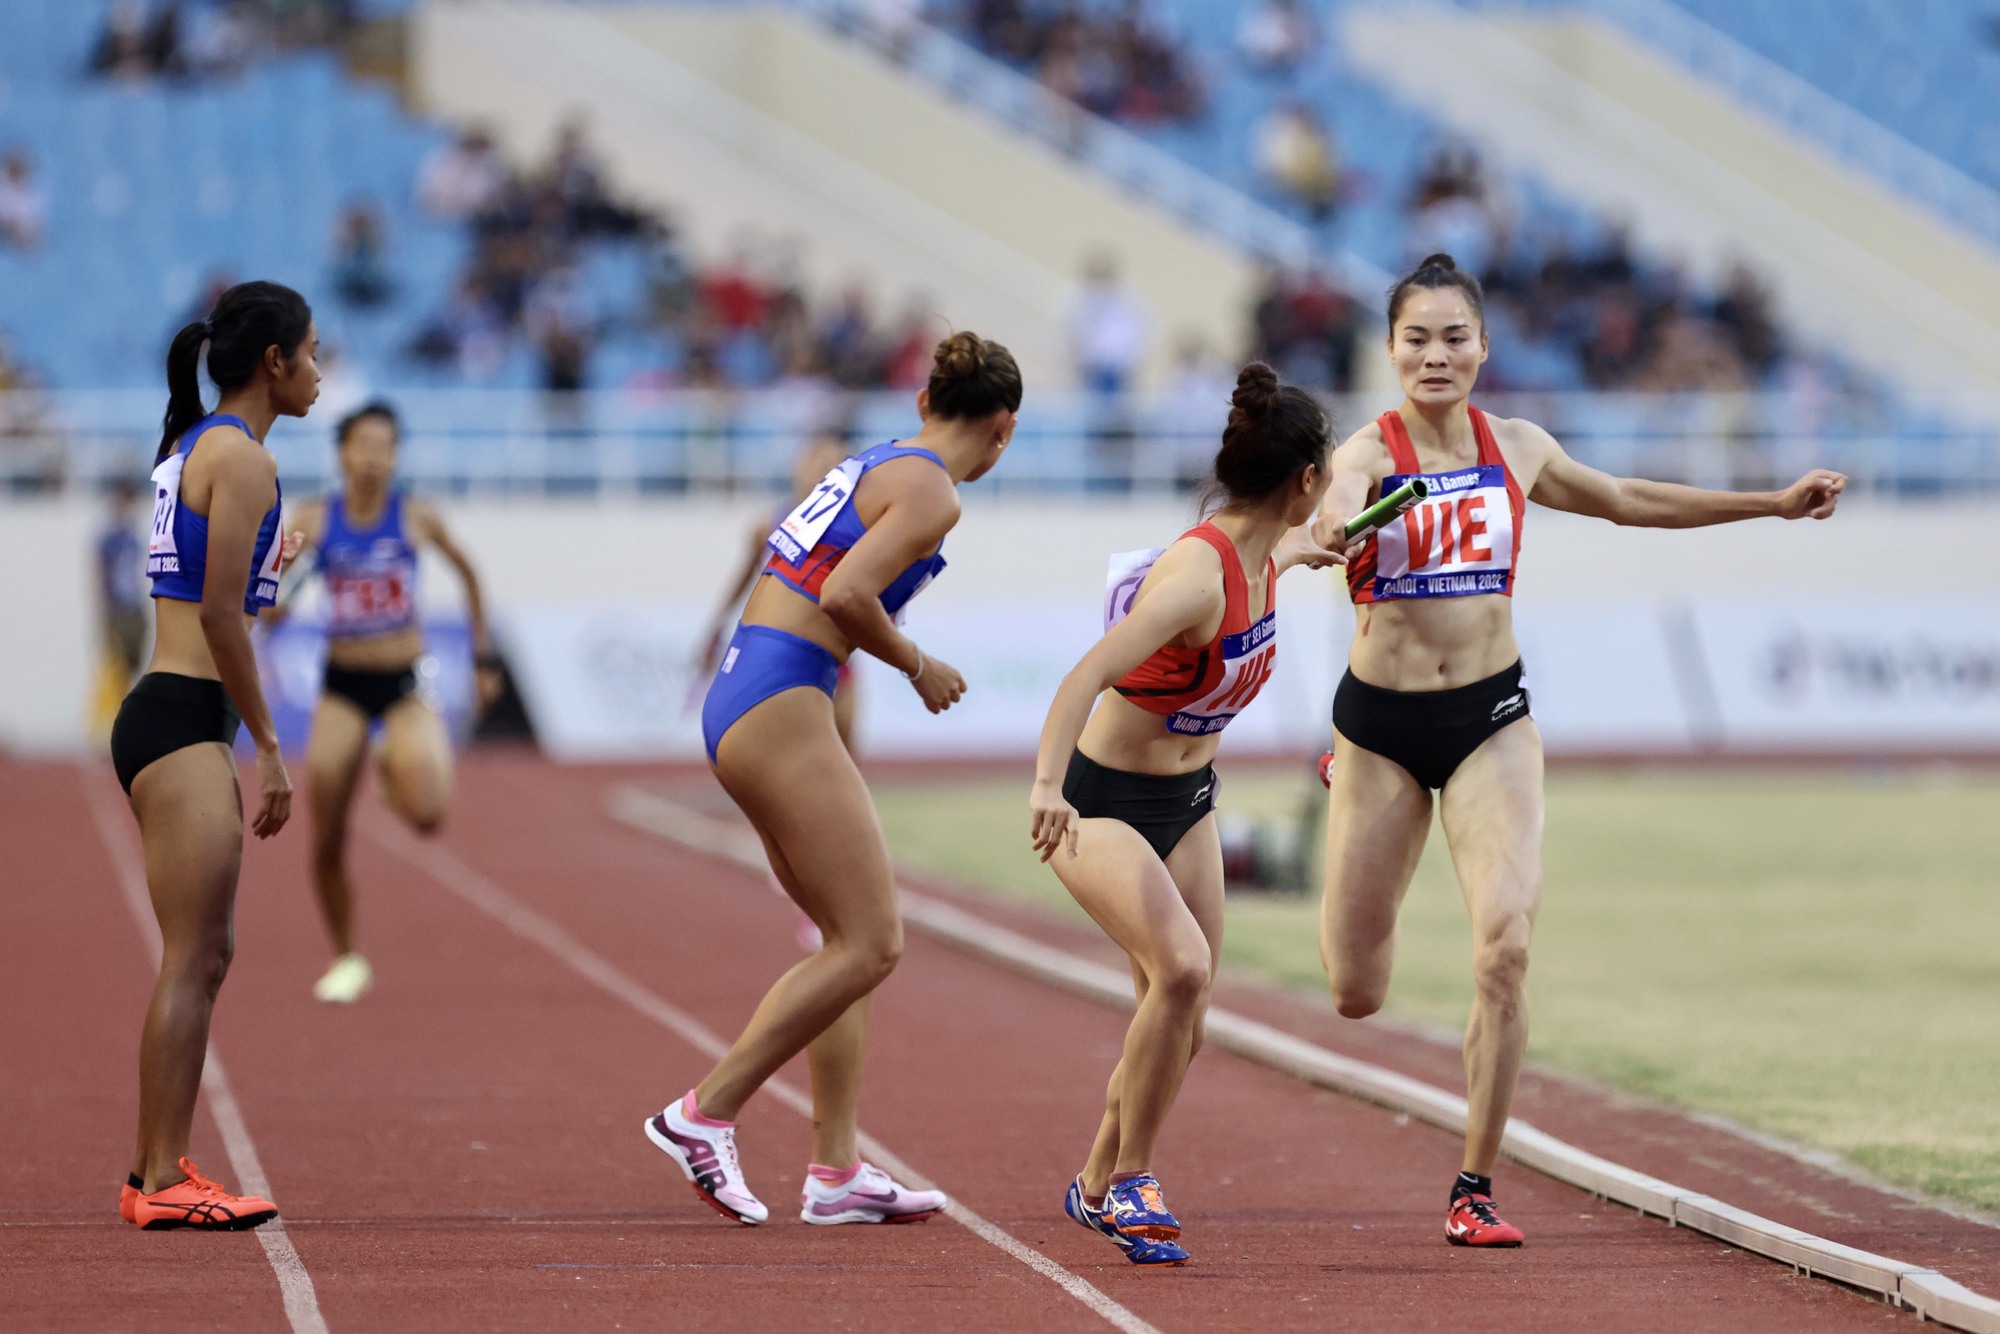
<point x="1138" y="1250"/>
<point x="1135" y="1208"/>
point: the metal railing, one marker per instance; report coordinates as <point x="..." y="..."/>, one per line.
<point x="622" y="443"/>
<point x="1796" y="104"/>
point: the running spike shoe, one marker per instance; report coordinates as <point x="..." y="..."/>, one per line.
<point x="199" y="1203"/>
<point x="1473" y="1222"/>
<point x="869" y="1196"/>
<point x="1137" y="1209"/>
<point x="1326" y="770"/>
<point x="128" y="1198"/>
<point x="707" y="1154"/>
<point x="1138" y="1250"/>
<point x="346" y="982"/>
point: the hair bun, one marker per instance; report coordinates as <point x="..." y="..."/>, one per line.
<point x="1256" y="389"/>
<point x="959" y="356"/>
<point x="1440" y="260"/>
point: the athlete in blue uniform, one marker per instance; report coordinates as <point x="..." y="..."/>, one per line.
<point x="842" y="566"/>
<point x="365" y="542"/>
<point x="214" y="559"/>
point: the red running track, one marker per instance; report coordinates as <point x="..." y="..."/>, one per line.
<point x="462" y="1150"/>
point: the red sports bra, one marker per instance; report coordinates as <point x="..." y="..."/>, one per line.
<point x="1462" y="540"/>
<point x="1200" y="689"/>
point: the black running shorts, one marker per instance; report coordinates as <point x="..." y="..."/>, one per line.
<point x="167" y="712"/>
<point x="1429" y="732"/>
<point x="1162" y="807"/>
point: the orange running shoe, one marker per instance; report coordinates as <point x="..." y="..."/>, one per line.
<point x="128" y="1198"/>
<point x="199" y="1202"/>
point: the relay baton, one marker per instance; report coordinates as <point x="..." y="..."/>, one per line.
<point x="1387" y="508"/>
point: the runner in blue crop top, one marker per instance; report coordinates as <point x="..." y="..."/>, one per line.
<point x="365" y="541"/>
<point x="852" y="553"/>
<point x="214" y="556"/>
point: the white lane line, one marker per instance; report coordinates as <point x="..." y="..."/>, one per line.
<point x="295" y="1285"/>
<point x="1907" y="1284"/>
<point x="481" y="892"/>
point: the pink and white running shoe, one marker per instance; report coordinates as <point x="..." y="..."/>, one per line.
<point x="869" y="1196"/>
<point x="705" y="1149"/>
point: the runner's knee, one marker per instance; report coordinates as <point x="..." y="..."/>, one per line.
<point x="1182" y="977"/>
<point x="1500" y="962"/>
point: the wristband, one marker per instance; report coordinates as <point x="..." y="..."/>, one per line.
<point x="911" y="677"/>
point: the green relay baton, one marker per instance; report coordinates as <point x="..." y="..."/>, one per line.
<point x="1387" y="508"/>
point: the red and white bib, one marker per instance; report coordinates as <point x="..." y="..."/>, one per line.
<point x="1462" y="540"/>
<point x="1200" y="689"/>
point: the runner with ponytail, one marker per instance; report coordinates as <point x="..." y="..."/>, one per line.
<point x="214" y="558"/>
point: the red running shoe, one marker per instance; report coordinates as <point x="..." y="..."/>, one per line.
<point x="1472" y="1222"/>
<point x="128" y="1199"/>
<point x="1325" y="767"/>
<point x="199" y="1203"/>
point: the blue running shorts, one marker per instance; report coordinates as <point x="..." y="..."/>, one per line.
<point x="759" y="663"/>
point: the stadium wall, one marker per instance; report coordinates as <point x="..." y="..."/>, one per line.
<point x="1877" y="633"/>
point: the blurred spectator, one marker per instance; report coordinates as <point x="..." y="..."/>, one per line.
<point x="1113" y="60"/>
<point x="23" y="208"/>
<point x="160" y="46"/>
<point x="223" y="38"/>
<point x="1194" y="406"/>
<point x="575" y="179"/>
<point x="562" y="328"/>
<point x="360" y="271"/>
<point x="1744" y="313"/>
<point x="460" y="180"/>
<point x="121" y="583"/>
<point x="1107" y="328"/>
<point x="1295" y="152"/>
<point x="120" y="48"/>
<point x="1452" y="210"/>
<point x="468" y="335"/>
<point x="1277" y="35"/>
<point x="31" y="452"/>
<point x="1306" y="326"/>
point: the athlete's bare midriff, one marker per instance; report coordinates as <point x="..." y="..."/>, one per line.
<point x="776" y="604"/>
<point x="1121" y="735"/>
<point x="390" y="652"/>
<point x="179" y="646"/>
<point x="1433" y="643"/>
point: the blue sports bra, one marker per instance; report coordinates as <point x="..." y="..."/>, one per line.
<point x="371" y="573"/>
<point x="177" y="552"/>
<point x="812" y="539"/>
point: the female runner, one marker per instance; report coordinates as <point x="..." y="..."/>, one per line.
<point x="365" y="542"/>
<point x="1124" y="794"/>
<point x="843" y="564"/>
<point x="820" y="455"/>
<point x="214" y="559"/>
<point x="1434" y="698"/>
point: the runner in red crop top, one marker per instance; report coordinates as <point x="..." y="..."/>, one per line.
<point x="1125" y="788"/>
<point x="1434" y="698"/>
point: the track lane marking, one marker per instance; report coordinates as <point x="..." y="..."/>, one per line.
<point x="482" y="892"/>
<point x="295" y="1284"/>
<point x="1930" y="1295"/>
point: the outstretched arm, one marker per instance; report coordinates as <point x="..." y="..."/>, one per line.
<point x="1634" y="502"/>
<point x="1184" y="590"/>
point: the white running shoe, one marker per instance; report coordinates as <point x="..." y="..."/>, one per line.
<point x="707" y="1154"/>
<point x="869" y="1196"/>
<point x="346" y="982"/>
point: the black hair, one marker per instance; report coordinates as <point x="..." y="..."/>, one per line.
<point x="249" y="318"/>
<point x="1274" y="432"/>
<point x="1439" y="270"/>
<point x="374" y="408"/>
<point x="972" y="377"/>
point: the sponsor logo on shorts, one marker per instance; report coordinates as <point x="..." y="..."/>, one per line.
<point x="1513" y="703"/>
<point x="1200" y="796"/>
<point x="729" y="659"/>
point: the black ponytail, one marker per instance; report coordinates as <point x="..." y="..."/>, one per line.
<point x="249" y="319"/>
<point x="1275" y="431"/>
